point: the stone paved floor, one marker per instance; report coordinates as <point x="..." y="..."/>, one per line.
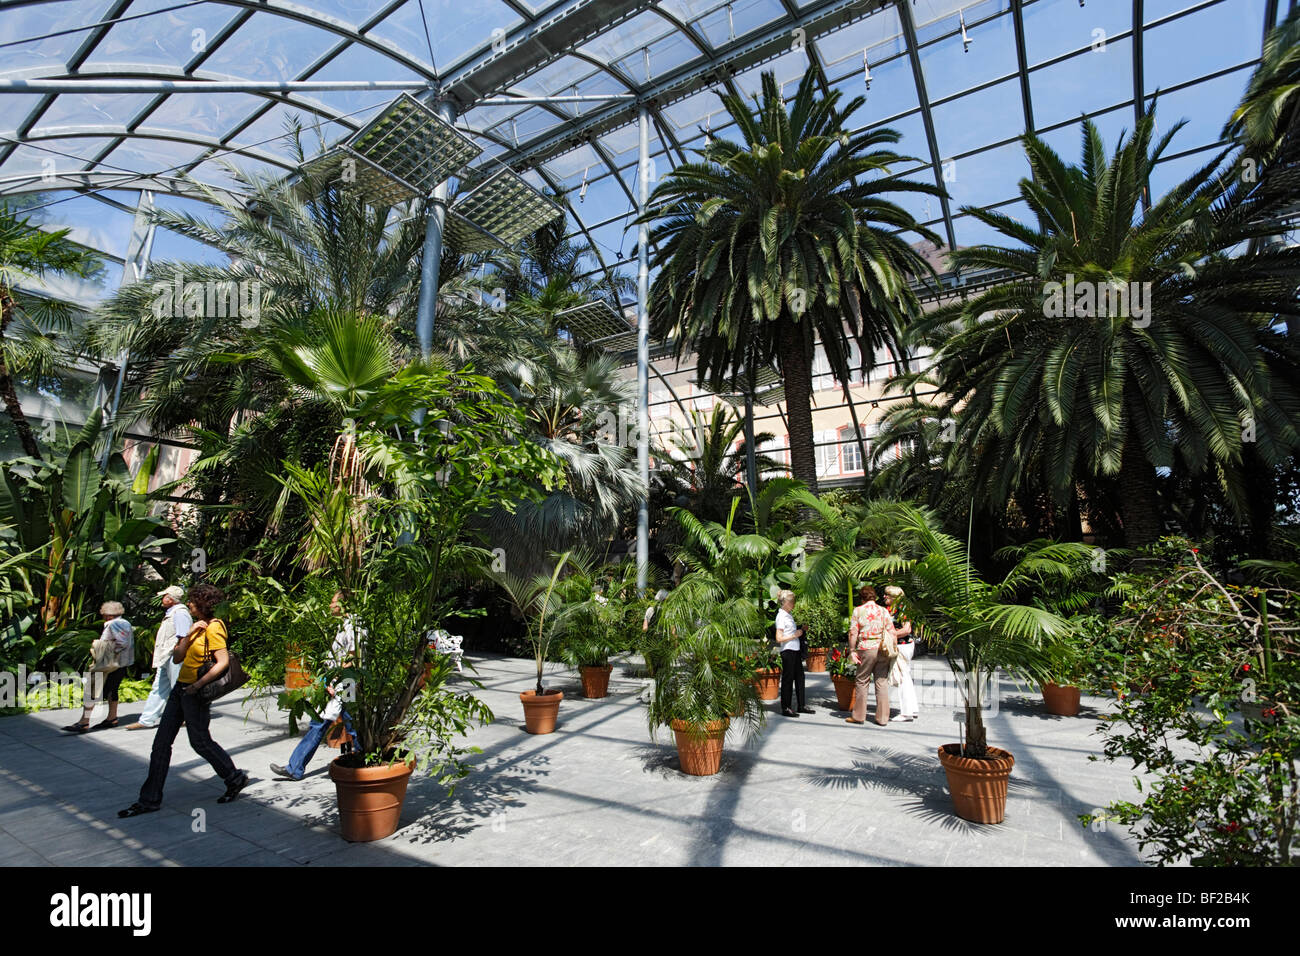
<point x="599" y="791"/>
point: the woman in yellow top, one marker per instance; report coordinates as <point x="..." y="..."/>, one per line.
<point x="207" y="636"/>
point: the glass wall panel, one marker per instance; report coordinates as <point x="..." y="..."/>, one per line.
<point x="1053" y="28"/>
<point x="1215" y="38"/>
<point x="1085" y="83"/>
<point x="991" y="54"/>
<point x="979" y="119"/>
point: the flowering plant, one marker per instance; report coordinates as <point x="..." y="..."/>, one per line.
<point x="839" y="663"/>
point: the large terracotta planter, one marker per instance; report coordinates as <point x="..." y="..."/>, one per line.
<point x="370" y="799"/>
<point x="295" y="674"/>
<point x="541" y="713"/>
<point x="595" y="681"/>
<point x="816" y="663"/>
<point x="978" y="787"/>
<point x="768" y="684"/>
<point x="846" y="688"/>
<point x="700" y="755"/>
<point x="1061" y="700"/>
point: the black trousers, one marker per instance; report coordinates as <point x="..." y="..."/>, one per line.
<point x="196" y="714"/>
<point x="791" y="678"/>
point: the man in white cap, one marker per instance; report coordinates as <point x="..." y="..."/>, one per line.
<point x="176" y="624"/>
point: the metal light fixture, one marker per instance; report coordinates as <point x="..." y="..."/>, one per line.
<point x="866" y="69"/>
<point x="582" y="194"/>
<point x="965" y="38"/>
<point x="399" y="155"/>
<point x="505" y="207"/>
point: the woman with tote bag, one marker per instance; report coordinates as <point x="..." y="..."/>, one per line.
<point x="111" y="654"/>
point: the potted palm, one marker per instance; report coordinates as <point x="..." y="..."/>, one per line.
<point x="700" y="692"/>
<point x="537" y="601"/>
<point x="591" y="621"/>
<point x="391" y="533"/>
<point x="971" y="622"/>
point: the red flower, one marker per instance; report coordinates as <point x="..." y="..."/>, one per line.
<point x="1184" y="788"/>
<point x="1196" y="550"/>
<point x="1245" y="667"/>
<point x="1271" y="712"/>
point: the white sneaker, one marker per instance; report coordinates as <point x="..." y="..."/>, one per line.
<point x="900" y="718"/>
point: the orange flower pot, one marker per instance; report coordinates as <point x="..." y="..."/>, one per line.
<point x="370" y="799"/>
<point x="846" y="689"/>
<point x="1061" y="700"/>
<point x="978" y="786"/>
<point x="541" y="713"/>
<point x="296" y="676"/>
<point x="595" y="681"/>
<point x="816" y="663"/>
<point x="768" y="684"/>
<point x="700" y="753"/>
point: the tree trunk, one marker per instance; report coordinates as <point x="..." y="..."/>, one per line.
<point x="8" y="390"/>
<point x="1138" y="507"/>
<point x="796" y="373"/>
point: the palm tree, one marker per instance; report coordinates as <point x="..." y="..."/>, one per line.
<point x="31" y="325"/>
<point x="766" y="246"/>
<point x="704" y="463"/>
<point x="1180" y="370"/>
<point x="1267" y="122"/>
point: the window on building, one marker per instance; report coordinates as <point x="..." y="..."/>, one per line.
<point x="827" y="453"/>
<point x="850" y="453"/>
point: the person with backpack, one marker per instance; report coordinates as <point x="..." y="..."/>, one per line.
<point x="871" y="635"/>
<point x="114" y="652"/>
<point x="206" y="641"/>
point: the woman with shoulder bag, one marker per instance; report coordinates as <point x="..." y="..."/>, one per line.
<point x="112" y="654"/>
<point x="908" y="707"/>
<point x="205" y="643"/>
<point x="871" y="638"/>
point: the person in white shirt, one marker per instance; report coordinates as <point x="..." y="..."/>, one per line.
<point x="344" y="646"/>
<point x="176" y="623"/>
<point x="787" y="638"/>
<point x="105" y="683"/>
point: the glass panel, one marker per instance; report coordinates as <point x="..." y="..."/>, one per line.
<point x="971" y="232"/>
<point x="1206" y="107"/>
<point x="174" y="38"/>
<point x="152" y="155"/>
<point x="1153" y="10"/>
<point x="665" y="55"/>
<point x="1068" y="140"/>
<point x="531" y="122"/>
<point x="893" y="91"/>
<point x="212" y="114"/>
<point x="935" y="18"/>
<point x="992" y="53"/>
<point x="746" y="16"/>
<point x="789" y="68"/>
<point x="17" y="107"/>
<point x="216" y="173"/>
<point x="52" y="157"/>
<point x="93" y="223"/>
<point x="573" y="163"/>
<point x="688" y="113"/>
<point x="558" y="77"/>
<point x="168" y="245"/>
<point x="33" y="20"/>
<point x="268" y="47"/>
<point x="358" y="62"/>
<point x="109" y="109"/>
<point x="879" y="34"/>
<point x="688" y="10"/>
<point x="605" y="199"/>
<point x="620" y="140"/>
<point x="921" y="207"/>
<point x="979" y="119"/>
<point x="641" y="30"/>
<point x="1236" y="31"/>
<point x="270" y="133"/>
<point x="353" y="12"/>
<point x="454" y="33"/>
<point x="911" y="130"/>
<point x="1085" y="83"/>
<point x="1168" y="174"/>
<point x="1053" y="28"/>
<point x="986" y="178"/>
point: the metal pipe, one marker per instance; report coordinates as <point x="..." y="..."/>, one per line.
<point x="751" y="464"/>
<point x="643" y="350"/>
<point x="544" y="100"/>
<point x="108" y="85"/>
<point x="429" y="268"/>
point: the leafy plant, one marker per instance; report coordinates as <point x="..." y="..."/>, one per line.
<point x="535" y="600"/>
<point x="593" y="616"/>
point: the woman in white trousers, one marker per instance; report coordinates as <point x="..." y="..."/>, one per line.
<point x="908" y="709"/>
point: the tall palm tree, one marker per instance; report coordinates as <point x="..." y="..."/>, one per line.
<point x="768" y="245"/>
<point x="703" y="461"/>
<point x="31" y="326"/>
<point x="1181" y="371"/>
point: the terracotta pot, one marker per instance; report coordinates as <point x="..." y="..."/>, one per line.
<point x="540" y="713"/>
<point x="295" y="674"/>
<point x="1061" y="700"/>
<point x="768" y="684"/>
<point x="370" y="799"/>
<point x="595" y="681"/>
<point x="978" y="787"/>
<point x="816" y="663"/>
<point x="846" y="689"/>
<point x="701" y="755"/>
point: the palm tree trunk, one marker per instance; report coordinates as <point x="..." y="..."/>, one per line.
<point x="8" y="390"/>
<point x="1138" y="510"/>
<point x="796" y="372"/>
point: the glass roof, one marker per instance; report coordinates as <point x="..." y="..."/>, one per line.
<point x="959" y="80"/>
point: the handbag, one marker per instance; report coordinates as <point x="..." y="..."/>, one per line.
<point x="104" y="653"/>
<point x="231" y="679"/>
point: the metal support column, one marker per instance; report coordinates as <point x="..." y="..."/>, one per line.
<point x="643" y="350"/>
<point x="139" y="248"/>
<point x="751" y="465"/>
<point x="428" y="301"/>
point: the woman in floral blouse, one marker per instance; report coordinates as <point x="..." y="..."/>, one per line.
<point x="869" y="626"/>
